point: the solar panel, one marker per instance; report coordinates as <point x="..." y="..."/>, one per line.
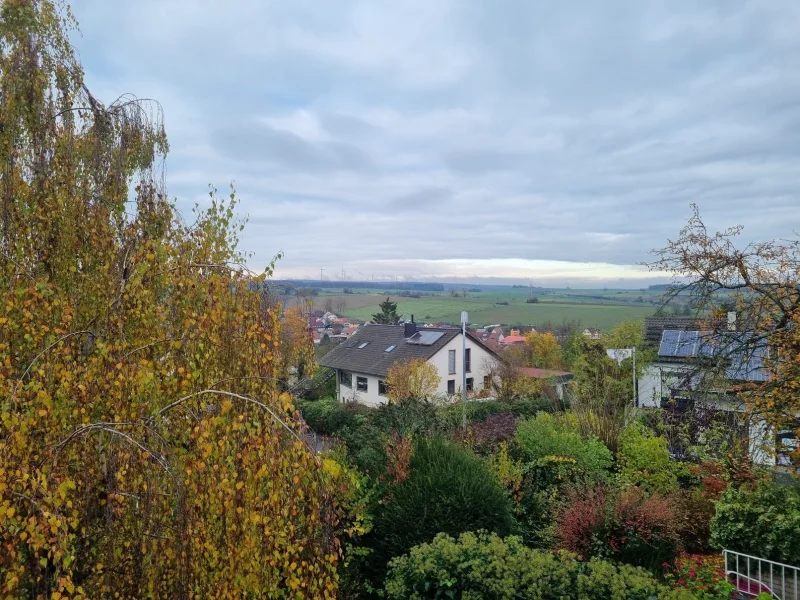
<point x="425" y="338"/>
<point x="669" y="343"/>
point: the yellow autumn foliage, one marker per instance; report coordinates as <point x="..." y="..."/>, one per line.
<point x="145" y="448"/>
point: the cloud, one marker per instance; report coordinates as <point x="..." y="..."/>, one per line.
<point x="448" y="131"/>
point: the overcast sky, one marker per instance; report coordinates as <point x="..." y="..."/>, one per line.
<point x="552" y="141"/>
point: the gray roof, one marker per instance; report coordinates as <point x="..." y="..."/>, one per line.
<point x="373" y="359"/>
<point x="745" y="353"/>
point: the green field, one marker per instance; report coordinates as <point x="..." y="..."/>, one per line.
<point x="593" y="308"/>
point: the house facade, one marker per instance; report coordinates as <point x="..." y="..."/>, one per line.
<point x="363" y="362"/>
<point x="699" y="368"/>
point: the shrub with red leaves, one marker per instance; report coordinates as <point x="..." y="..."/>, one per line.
<point x="627" y="526"/>
<point x="582" y="520"/>
<point x="489" y="433"/>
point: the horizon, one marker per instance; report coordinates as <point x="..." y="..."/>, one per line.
<point x="560" y="144"/>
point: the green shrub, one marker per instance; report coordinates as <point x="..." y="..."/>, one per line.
<point x="407" y="418"/>
<point x="449" y="490"/>
<point x="764" y="522"/>
<point x="545" y="436"/>
<point x="329" y="416"/>
<point x="644" y="461"/>
<point x="477" y="566"/>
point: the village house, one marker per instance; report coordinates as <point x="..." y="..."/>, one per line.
<point x="363" y="362"/>
<point x="592" y="333"/>
<point x="552" y="379"/>
<point x="703" y="368"/>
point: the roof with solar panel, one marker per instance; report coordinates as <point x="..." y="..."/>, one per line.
<point x="744" y="353"/>
<point x="375" y="348"/>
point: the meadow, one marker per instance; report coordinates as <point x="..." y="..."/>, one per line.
<point x="593" y="308"/>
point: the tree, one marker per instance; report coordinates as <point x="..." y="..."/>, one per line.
<point x="448" y="489"/>
<point x="508" y="381"/>
<point x="145" y="450"/>
<point x="628" y="334"/>
<point x="339" y="305"/>
<point x="602" y="393"/>
<point x="412" y="380"/>
<point x="388" y="314"/>
<point x="546" y="353"/>
<point x="296" y="355"/>
<point x="760" y="283"/>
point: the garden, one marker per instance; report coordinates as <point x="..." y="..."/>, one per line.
<point x="536" y="500"/>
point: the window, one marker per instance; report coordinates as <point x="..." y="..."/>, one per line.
<point x="451" y="386"/>
<point x="363" y="345"/>
<point x="451" y="362"/>
<point x="381" y="388"/>
<point x="346" y="379"/>
<point x="468" y="360"/>
<point x="469" y="384"/>
<point x="390" y="348"/>
<point x="361" y="384"/>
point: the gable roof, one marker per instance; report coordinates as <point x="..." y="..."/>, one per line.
<point x="744" y="352"/>
<point x="373" y="359"/>
<point x="513" y="339"/>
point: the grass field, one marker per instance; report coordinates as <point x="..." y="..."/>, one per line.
<point x="593" y="308"/>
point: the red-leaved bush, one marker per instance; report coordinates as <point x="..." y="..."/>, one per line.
<point x="626" y="525"/>
<point x="583" y="516"/>
<point x="487" y="435"/>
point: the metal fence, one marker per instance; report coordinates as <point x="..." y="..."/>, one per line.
<point x="753" y="575"/>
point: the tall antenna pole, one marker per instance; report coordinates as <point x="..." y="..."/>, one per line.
<point x="464" y="371"/>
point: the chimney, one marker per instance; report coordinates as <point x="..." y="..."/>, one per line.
<point x="410" y="329"/>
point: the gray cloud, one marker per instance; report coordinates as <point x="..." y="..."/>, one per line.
<point x="510" y="129"/>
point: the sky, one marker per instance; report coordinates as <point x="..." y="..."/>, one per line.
<point x="509" y="140"/>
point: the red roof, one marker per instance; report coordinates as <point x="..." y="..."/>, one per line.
<point x="513" y="339"/>
<point x="542" y="373"/>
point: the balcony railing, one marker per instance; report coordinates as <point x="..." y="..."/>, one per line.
<point x="753" y="575"/>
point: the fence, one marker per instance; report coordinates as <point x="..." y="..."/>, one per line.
<point x="752" y="575"/>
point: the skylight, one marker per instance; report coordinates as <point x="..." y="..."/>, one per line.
<point x="363" y="345"/>
<point x="390" y="348"/>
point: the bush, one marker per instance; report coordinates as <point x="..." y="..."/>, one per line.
<point x="696" y="505"/>
<point x="644" y="461"/>
<point x="449" y="490"/>
<point x="407" y="417"/>
<point x="703" y="576"/>
<point x="477" y="566"/>
<point x="486" y="436"/>
<point x="764" y="522"/>
<point x="626" y="526"/>
<point x="329" y="416"/>
<point x="544" y="436"/>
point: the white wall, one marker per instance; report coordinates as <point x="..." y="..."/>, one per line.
<point x="656" y="380"/>
<point x="479" y="363"/>
<point x="349" y="394"/>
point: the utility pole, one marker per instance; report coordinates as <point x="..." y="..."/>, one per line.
<point x="320" y="273"/>
<point x="464" y="371"/>
<point x="635" y="395"/>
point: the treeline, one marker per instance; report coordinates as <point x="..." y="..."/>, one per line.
<point x="404" y="285"/>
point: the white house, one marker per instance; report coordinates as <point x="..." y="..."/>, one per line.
<point x="704" y="368"/>
<point x="363" y="362"/>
